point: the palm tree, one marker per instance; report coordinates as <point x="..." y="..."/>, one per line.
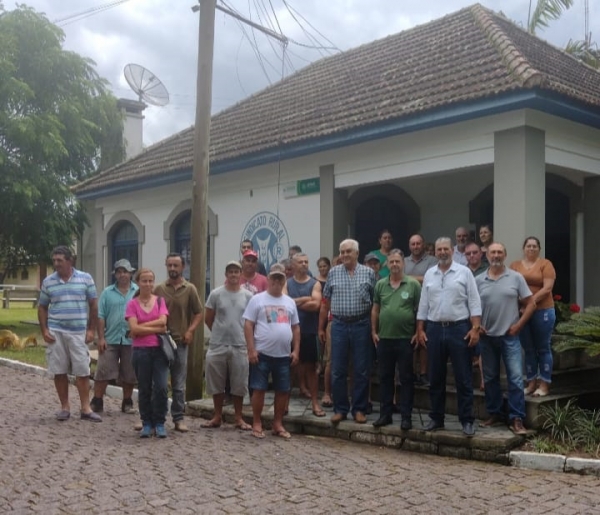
<point x="550" y="10"/>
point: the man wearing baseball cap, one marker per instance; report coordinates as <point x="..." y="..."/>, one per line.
<point x="251" y="280"/>
<point x="272" y="332"/>
<point x="227" y="354"/>
<point x="114" y="347"/>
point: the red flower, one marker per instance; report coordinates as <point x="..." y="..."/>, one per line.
<point x="558" y="297"/>
<point x="574" y="308"/>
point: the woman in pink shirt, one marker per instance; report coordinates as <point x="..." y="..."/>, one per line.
<point x="147" y="315"/>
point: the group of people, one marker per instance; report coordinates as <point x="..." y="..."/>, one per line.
<point x="390" y="308"/>
<point x="127" y="317"/>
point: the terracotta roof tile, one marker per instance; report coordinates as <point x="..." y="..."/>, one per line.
<point x="466" y="56"/>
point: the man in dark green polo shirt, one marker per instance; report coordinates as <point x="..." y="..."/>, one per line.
<point x="393" y="325"/>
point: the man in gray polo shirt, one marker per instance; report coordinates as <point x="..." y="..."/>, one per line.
<point x="502" y="292"/>
<point x="419" y="261"/>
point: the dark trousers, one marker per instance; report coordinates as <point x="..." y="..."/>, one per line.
<point x="151" y="369"/>
<point x="389" y="353"/>
<point x="443" y="343"/>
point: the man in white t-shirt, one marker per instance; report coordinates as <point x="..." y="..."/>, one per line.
<point x="272" y="332"/>
<point x="227" y="353"/>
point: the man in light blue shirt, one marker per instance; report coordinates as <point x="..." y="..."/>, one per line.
<point x="451" y="307"/>
<point x="114" y="347"/>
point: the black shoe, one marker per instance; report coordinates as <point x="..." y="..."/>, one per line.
<point x="433" y="425"/>
<point x="468" y="429"/>
<point x="406" y="424"/>
<point x="127" y="407"/>
<point x="97" y="404"/>
<point x="384" y="420"/>
<point x="423" y="381"/>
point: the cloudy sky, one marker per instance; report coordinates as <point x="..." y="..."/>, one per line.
<point x="162" y="35"/>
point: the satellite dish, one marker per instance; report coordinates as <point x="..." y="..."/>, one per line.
<point x="146" y="85"/>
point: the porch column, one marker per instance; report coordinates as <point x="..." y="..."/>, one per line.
<point x="591" y="230"/>
<point x="333" y="213"/>
<point x="519" y="188"/>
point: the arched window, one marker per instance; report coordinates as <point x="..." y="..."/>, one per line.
<point x="124" y="243"/>
<point x="181" y="243"/>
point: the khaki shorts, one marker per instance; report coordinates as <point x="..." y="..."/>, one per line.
<point x="114" y="364"/>
<point x="224" y="360"/>
<point x="69" y="354"/>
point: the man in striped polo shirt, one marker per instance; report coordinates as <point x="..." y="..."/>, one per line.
<point x="68" y="316"/>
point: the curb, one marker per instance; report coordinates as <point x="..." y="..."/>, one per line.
<point x="114" y="392"/>
<point x="554" y="463"/>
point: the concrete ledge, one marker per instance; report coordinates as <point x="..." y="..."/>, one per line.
<point x="536" y="461"/>
<point x="583" y="466"/>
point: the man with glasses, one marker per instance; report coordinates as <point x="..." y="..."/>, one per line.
<point x="474" y="259"/>
<point x="462" y="238"/>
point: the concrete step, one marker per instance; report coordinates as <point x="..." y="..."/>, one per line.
<point x="489" y="444"/>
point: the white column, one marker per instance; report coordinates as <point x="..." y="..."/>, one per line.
<point x="519" y="188"/>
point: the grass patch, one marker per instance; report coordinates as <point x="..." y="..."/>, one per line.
<point x="30" y="355"/>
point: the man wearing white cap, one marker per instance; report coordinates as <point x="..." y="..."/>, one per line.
<point x="114" y="347"/>
<point x="227" y="352"/>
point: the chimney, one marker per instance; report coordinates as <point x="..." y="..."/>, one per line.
<point x="132" y="126"/>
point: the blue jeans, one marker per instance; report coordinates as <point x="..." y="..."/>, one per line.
<point x="390" y="352"/>
<point x="443" y="343"/>
<point x="178" y="378"/>
<point x="350" y="339"/>
<point x="279" y="368"/>
<point x="535" y="339"/>
<point x="493" y="348"/>
<point x="151" y="369"/>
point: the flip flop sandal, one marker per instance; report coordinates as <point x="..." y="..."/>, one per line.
<point x="327" y="404"/>
<point x="258" y="434"/>
<point x="282" y="434"/>
<point x="63" y="415"/>
<point x="243" y="427"/>
<point x="210" y="425"/>
<point x="540" y="393"/>
<point x="318" y="413"/>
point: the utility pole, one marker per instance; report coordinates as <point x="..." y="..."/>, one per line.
<point x="206" y="41"/>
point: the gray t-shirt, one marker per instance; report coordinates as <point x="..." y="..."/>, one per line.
<point x="229" y="306"/>
<point x="273" y="318"/>
<point x="418" y="268"/>
<point x="500" y="300"/>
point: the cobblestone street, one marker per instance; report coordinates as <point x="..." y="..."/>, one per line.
<point x="80" y="467"/>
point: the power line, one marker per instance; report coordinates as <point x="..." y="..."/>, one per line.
<point x="87" y="13"/>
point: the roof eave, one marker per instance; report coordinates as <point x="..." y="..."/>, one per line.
<point x="552" y="103"/>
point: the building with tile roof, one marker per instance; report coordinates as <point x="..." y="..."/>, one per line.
<point x="464" y="120"/>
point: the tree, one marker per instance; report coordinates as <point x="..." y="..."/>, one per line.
<point x="546" y="11"/>
<point x="56" y="115"/>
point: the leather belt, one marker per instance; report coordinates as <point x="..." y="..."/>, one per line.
<point x="350" y="320"/>
<point x="449" y="324"/>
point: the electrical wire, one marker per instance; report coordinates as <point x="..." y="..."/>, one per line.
<point x="72" y="18"/>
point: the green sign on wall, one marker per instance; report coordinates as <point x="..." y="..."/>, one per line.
<point x="308" y="186"/>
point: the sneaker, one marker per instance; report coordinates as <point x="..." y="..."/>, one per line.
<point x="160" y="430"/>
<point x="127" y="407"/>
<point x="146" y="431"/>
<point x="97" y="404"/>
<point x="423" y="381"/>
<point x="517" y="427"/>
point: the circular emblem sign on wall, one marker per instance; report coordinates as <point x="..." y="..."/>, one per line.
<point x="269" y="237"/>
